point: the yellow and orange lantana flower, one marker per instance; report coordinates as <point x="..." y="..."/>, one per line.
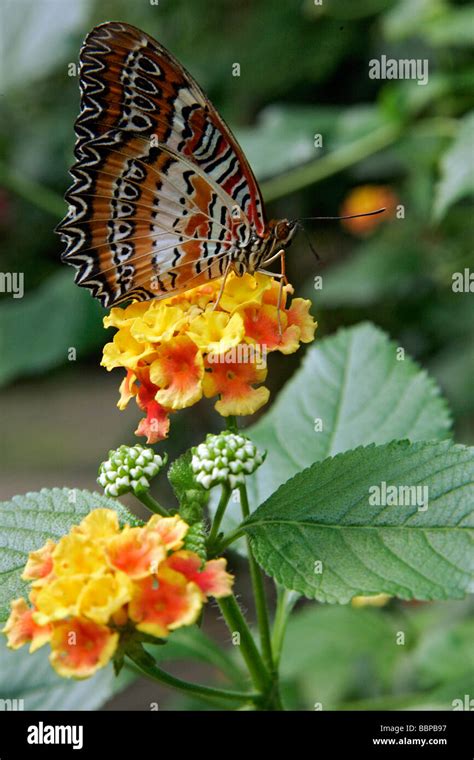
<point x="100" y="580"/>
<point x="177" y="350"/>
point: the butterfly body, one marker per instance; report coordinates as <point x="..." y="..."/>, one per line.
<point x="163" y="197"/>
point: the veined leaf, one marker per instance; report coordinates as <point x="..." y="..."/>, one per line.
<point x="353" y="388"/>
<point x="329" y="534"/>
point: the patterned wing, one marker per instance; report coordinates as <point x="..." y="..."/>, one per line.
<point x="157" y="175"/>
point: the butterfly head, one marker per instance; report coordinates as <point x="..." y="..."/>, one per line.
<point x="282" y="231"/>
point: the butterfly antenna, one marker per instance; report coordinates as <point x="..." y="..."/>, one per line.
<point x="338" y="218"/>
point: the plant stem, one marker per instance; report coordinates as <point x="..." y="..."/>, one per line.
<point x="228" y="539"/>
<point x="231" y="423"/>
<point x="259" y="591"/>
<point x="145" y="665"/>
<point x="221" y="507"/>
<point x="286" y="599"/>
<point x="236" y="623"/>
<point x="147" y="499"/>
<point x="330" y="164"/>
<point x="271" y="687"/>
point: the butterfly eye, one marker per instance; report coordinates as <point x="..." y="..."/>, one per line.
<point x="281" y="230"/>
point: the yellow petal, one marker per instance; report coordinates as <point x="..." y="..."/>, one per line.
<point x="58" y="599"/>
<point x="102" y="597"/>
<point x="216" y="332"/>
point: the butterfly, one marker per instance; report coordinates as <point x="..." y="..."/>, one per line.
<point x="163" y="198"/>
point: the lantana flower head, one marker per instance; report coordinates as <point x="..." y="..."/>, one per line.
<point x="204" y="343"/>
<point x="129" y="468"/>
<point x="225" y="458"/>
<point x="102" y="582"/>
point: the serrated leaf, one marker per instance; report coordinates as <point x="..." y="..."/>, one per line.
<point x="362" y="393"/>
<point x="325" y="515"/>
<point x="181" y="476"/>
<point x="27" y="521"/>
<point x="355" y="384"/>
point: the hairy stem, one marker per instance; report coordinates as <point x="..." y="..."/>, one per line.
<point x="258" y="590"/>
<point x="145" y="664"/>
<point x="236" y="623"/>
<point x="227" y="540"/>
<point x="152" y="504"/>
<point x="285" y="602"/>
<point x="221" y="508"/>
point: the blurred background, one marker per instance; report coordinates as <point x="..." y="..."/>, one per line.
<point x="324" y="139"/>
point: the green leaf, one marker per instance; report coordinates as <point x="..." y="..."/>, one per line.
<point x="325" y="515"/>
<point x="457" y="169"/>
<point x="284" y="137"/>
<point x="181" y="476"/>
<point x="27" y="521"/>
<point x="327" y="648"/>
<point x="445" y="654"/>
<point x="350" y="658"/>
<point x="362" y="393"/>
<point x="192" y="497"/>
<point x="31" y="678"/>
<point x="69" y="319"/>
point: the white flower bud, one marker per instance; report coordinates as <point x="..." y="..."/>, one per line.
<point x="129" y="468"/>
<point x="225" y="458"/>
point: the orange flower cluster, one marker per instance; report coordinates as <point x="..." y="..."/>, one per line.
<point x="99" y="581"/>
<point x="196" y="344"/>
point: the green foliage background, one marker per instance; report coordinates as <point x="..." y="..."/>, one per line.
<point x="304" y="70"/>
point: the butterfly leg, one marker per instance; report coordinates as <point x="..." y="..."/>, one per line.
<point x="221" y="289"/>
<point x="280" y="276"/>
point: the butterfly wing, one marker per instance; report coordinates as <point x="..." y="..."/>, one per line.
<point x="157" y="174"/>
